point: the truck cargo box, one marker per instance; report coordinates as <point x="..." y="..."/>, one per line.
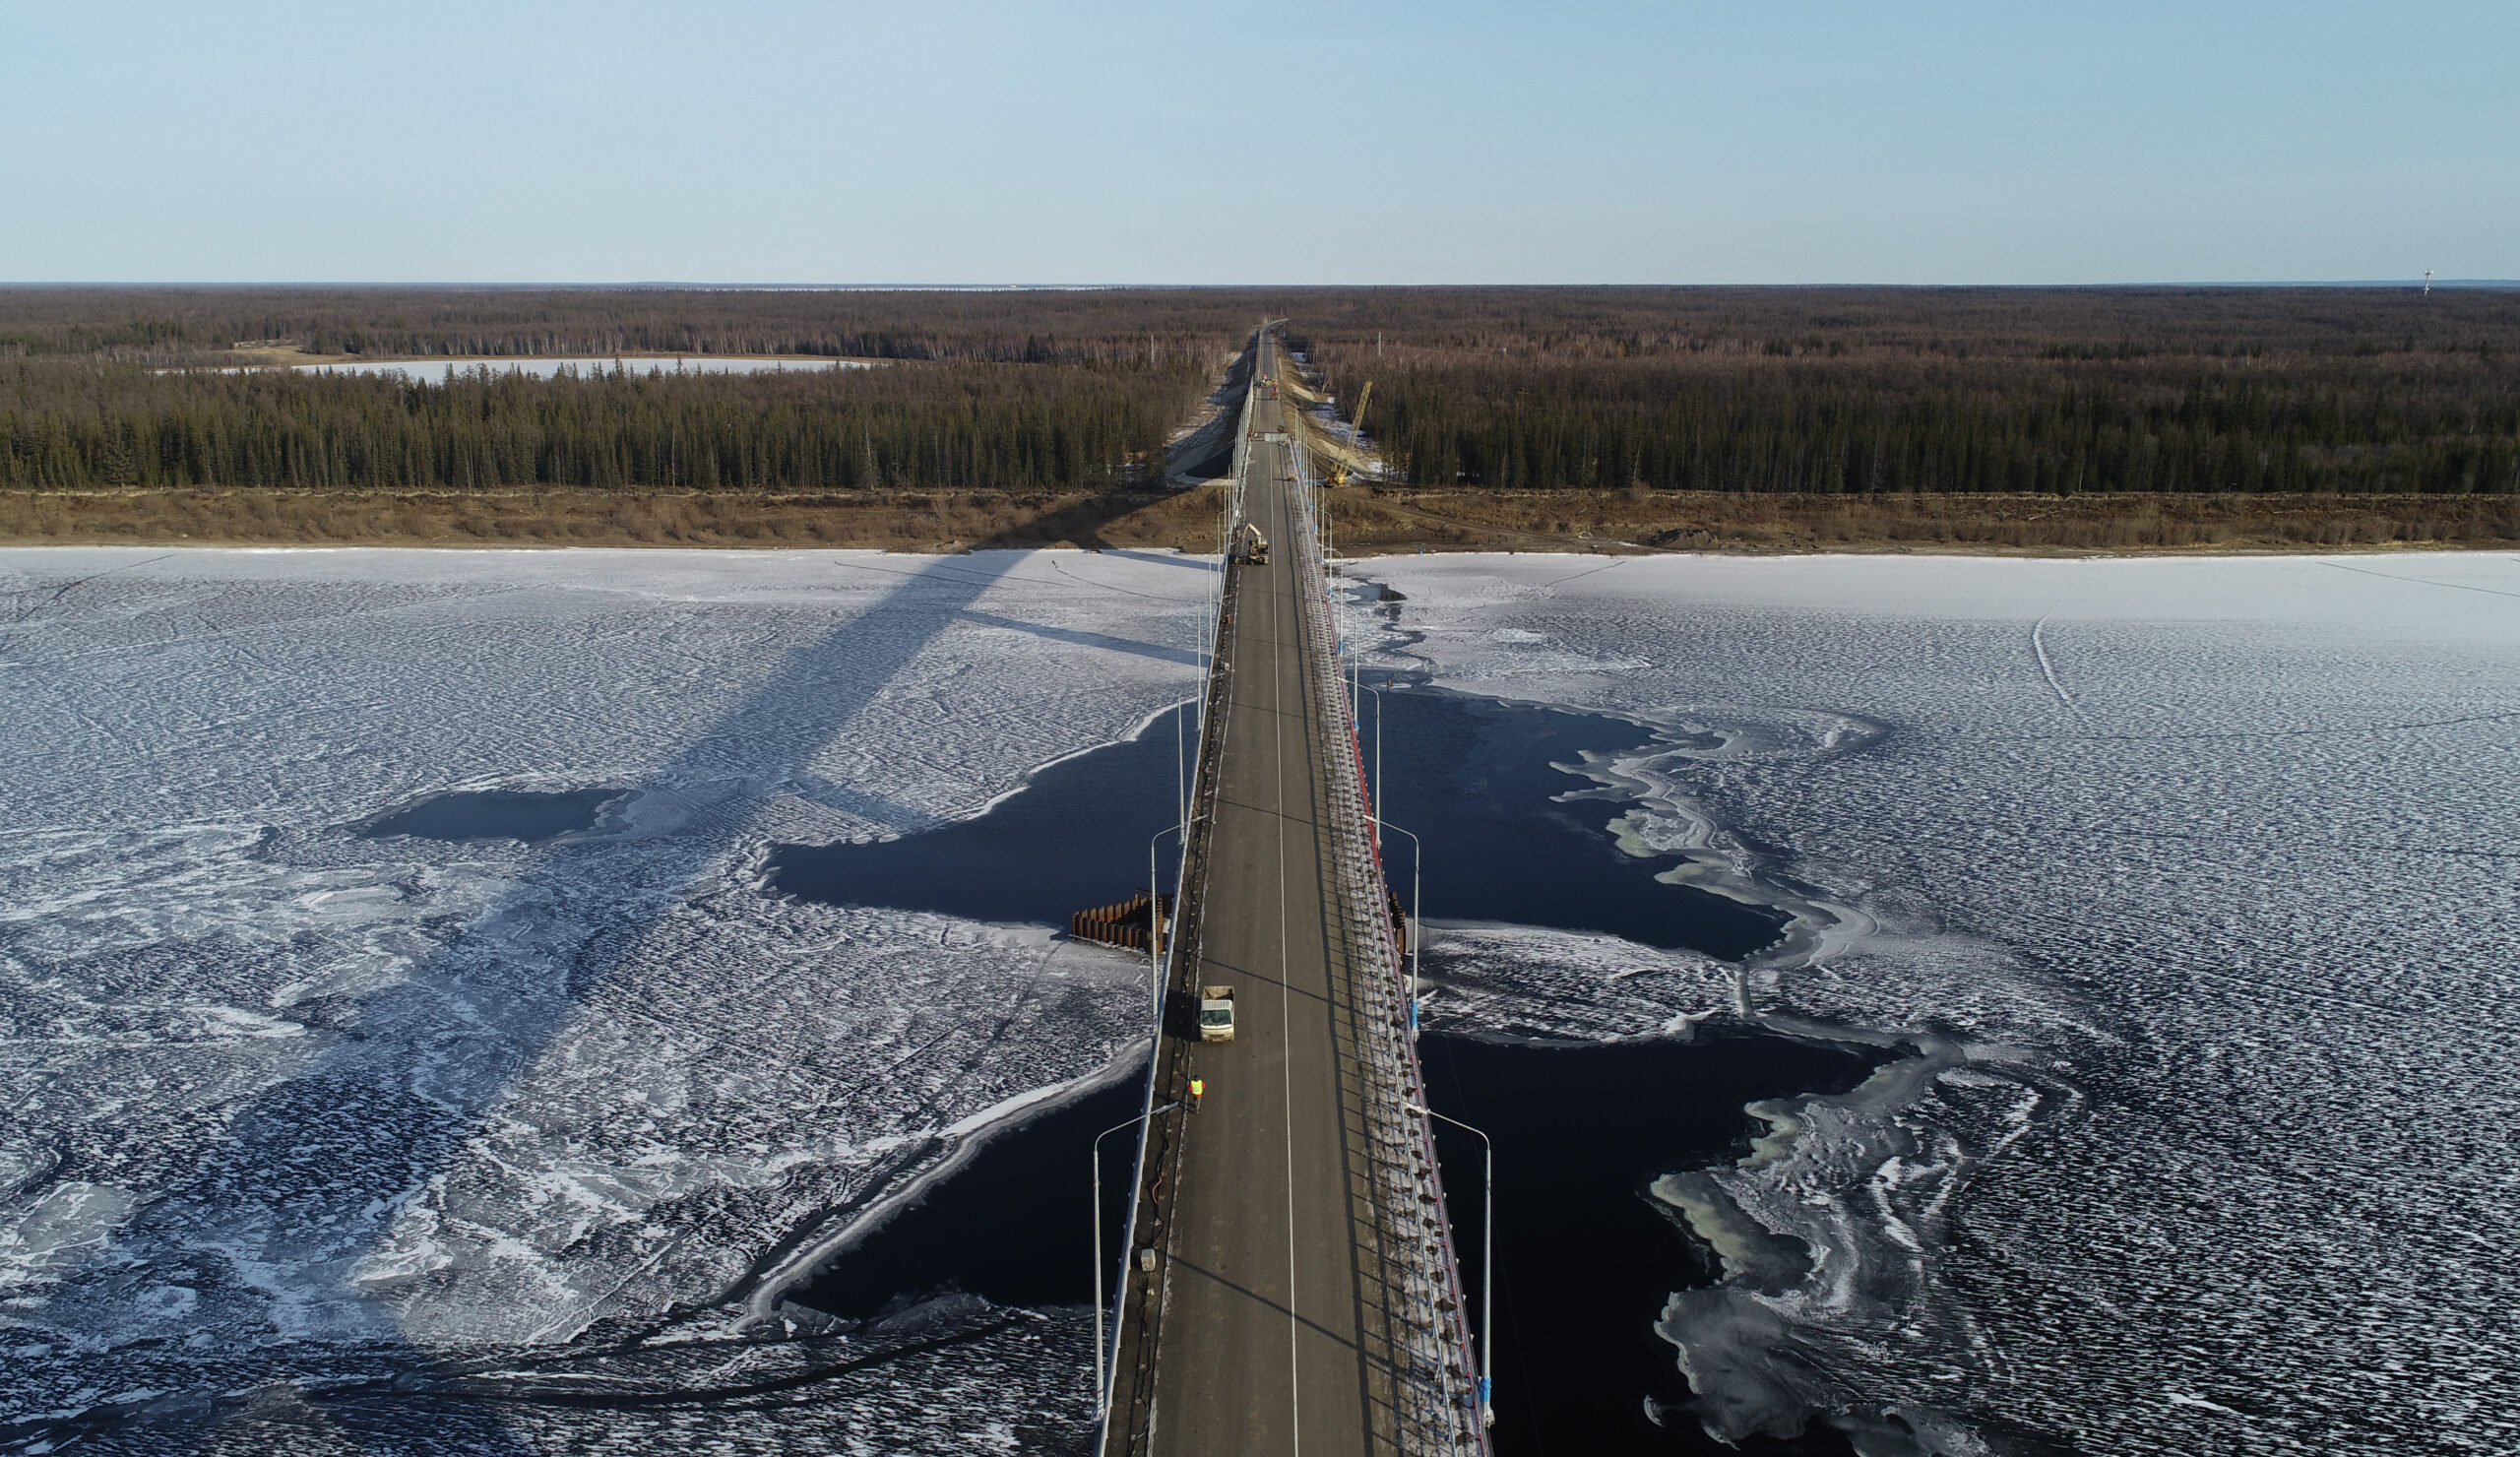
<point x="1216" y="1014"/>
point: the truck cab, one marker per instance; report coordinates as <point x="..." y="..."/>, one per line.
<point x="1216" y="1014"/>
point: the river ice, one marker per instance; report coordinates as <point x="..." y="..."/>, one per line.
<point x="2188" y="886"/>
<point x="366" y="1142"/>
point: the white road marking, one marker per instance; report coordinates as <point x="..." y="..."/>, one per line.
<point x="1286" y="1014"/>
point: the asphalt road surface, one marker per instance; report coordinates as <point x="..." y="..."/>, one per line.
<point x="1274" y="1336"/>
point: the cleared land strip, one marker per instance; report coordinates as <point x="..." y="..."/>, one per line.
<point x="1373" y="518"/>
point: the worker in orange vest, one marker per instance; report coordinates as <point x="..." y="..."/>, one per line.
<point x="1198" y="1090"/>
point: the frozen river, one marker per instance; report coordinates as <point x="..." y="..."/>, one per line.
<point x="312" y="1091"/>
<point x="407" y="1051"/>
<point x="2187" y="888"/>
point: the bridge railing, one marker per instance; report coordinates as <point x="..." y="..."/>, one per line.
<point x="1186" y="925"/>
<point x="1439" y="1395"/>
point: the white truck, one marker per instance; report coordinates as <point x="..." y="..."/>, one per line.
<point x="1216" y="1014"/>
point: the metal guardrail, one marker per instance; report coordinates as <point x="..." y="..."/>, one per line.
<point x="1188" y="926"/>
<point x="1434" y="1376"/>
<point x="1442" y="1389"/>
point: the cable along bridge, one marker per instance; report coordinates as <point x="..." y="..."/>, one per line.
<point x="1288" y="1282"/>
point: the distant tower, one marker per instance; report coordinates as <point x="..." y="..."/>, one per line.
<point x="2428" y="282"/>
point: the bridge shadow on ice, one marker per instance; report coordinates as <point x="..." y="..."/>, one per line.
<point x="313" y="1173"/>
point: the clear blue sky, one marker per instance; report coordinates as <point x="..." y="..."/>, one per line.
<point x="1744" y="142"/>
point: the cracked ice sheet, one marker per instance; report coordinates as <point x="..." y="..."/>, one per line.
<point x="280" y="1088"/>
<point x="2191" y="882"/>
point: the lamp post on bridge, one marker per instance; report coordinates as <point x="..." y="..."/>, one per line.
<point x="1180" y="763"/>
<point x="1417" y="917"/>
<point x="1376" y="807"/>
<point x="1487" y="1262"/>
<point x="1155" y="921"/>
<point x="1101" y="1382"/>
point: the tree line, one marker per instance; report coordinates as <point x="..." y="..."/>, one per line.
<point x="203" y="325"/>
<point x="933" y="425"/>
<point x="1827" y="390"/>
<point x="195" y="324"/>
<point x="1756" y="426"/>
<point x="2045" y="391"/>
<point x="1565" y="324"/>
<point x="1117" y="324"/>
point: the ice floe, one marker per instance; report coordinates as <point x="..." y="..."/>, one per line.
<point x="298" y="1107"/>
<point x="2186" y="887"/>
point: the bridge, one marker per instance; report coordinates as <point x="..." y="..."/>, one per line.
<point x="1288" y="1284"/>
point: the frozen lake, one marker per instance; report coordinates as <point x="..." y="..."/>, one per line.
<point x="438" y="371"/>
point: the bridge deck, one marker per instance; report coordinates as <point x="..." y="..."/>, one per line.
<point x="1283" y="1283"/>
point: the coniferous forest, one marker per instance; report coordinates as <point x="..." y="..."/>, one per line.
<point x="921" y="426"/>
<point x="149" y="388"/>
<point x="1868" y="391"/>
<point x="1856" y="390"/>
<point x="203" y="325"/>
<point x="2389" y="424"/>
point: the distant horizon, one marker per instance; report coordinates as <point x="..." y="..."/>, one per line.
<point x="1935" y="145"/>
<point x="665" y="285"/>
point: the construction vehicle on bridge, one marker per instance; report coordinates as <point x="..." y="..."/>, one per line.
<point x="1255" y="546"/>
<point x="1216" y="1014"/>
<point x="1355" y="434"/>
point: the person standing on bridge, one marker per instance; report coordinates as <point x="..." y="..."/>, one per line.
<point x="1198" y="1090"/>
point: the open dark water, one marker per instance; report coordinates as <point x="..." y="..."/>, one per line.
<point x="1473" y="780"/>
<point x="1073" y="838"/>
<point x="1585" y="1258"/>
<point x="497" y="814"/>
<point x="1012" y="1225"/>
<point x="1476" y="781"/>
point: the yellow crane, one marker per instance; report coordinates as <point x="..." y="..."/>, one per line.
<point x="1355" y="432"/>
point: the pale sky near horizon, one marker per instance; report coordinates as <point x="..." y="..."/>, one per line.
<point x="1094" y="142"/>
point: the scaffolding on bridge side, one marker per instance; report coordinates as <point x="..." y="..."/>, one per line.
<point x="1446" y="1371"/>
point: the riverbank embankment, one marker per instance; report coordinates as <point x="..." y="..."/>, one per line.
<point x="1373" y="520"/>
